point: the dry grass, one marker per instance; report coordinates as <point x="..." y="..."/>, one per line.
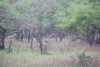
<point x="58" y="55"/>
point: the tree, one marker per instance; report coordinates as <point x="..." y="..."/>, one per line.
<point x="41" y="7"/>
<point x="8" y="22"/>
<point x="33" y="17"/>
<point x="56" y="11"/>
<point x="82" y="18"/>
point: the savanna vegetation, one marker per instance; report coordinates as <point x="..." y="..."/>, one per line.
<point x="49" y="33"/>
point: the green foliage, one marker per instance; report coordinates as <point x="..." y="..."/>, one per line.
<point x="81" y="56"/>
<point x="24" y="10"/>
<point x="7" y="15"/>
<point x="58" y="11"/>
<point x="82" y="15"/>
<point x="3" y="10"/>
<point x="81" y="60"/>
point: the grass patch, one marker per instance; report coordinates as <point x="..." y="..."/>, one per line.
<point x="2" y="52"/>
<point x="33" y="58"/>
<point x="58" y="43"/>
<point x="91" y="53"/>
<point x="25" y="57"/>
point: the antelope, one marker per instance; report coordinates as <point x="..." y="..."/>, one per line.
<point x="51" y="36"/>
<point x="11" y="36"/>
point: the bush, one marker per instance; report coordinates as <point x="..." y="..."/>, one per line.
<point x="80" y="60"/>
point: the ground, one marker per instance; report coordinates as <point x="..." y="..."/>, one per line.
<point x="58" y="54"/>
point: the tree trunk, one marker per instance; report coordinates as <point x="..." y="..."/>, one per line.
<point x="40" y="41"/>
<point x="31" y="41"/>
<point x="92" y="37"/>
<point x="0" y="45"/>
<point x="22" y="38"/>
<point x="28" y="38"/>
<point x="41" y="46"/>
<point x="3" y="38"/>
<point x="56" y="39"/>
<point x="60" y="38"/>
<point x="17" y="37"/>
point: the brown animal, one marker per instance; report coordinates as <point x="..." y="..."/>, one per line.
<point x="51" y="36"/>
<point x="11" y="36"/>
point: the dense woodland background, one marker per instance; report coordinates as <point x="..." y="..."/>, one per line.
<point x="39" y="19"/>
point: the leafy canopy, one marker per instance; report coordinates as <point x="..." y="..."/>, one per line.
<point x="82" y="16"/>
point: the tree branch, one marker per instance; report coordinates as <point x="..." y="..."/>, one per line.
<point x="11" y="33"/>
<point x="2" y="28"/>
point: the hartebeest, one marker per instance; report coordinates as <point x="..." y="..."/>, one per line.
<point x="11" y="36"/>
<point x="51" y="36"/>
